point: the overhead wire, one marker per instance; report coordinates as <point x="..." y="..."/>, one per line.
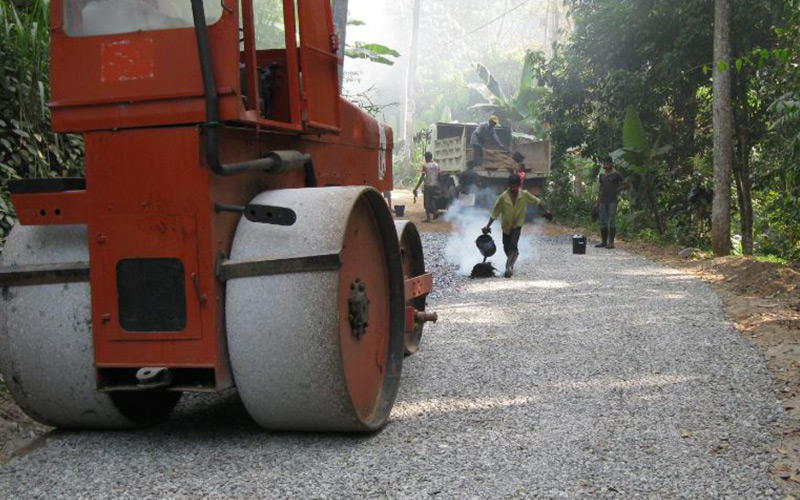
<point x="501" y="16"/>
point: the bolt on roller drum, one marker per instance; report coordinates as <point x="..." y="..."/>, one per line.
<point x="46" y="346"/>
<point x="316" y="337"/>
<point x="413" y="260"/>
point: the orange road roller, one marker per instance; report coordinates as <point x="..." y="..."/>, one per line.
<point x="230" y="229"/>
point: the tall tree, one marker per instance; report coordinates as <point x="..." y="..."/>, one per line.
<point x="742" y="110"/>
<point x="408" y="95"/>
<point x="723" y="130"/>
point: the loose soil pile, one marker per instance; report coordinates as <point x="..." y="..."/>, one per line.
<point x="499" y="159"/>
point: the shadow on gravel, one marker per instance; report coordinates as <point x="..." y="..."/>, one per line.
<point x="216" y="419"/>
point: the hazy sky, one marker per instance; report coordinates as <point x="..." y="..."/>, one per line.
<point x="452" y="37"/>
<point x="378" y="28"/>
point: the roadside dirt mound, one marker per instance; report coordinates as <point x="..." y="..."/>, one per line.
<point x="747" y="276"/>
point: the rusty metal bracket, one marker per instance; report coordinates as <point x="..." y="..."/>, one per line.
<point x="232" y="269"/>
<point x="264" y="214"/>
<point x="42" y="274"/>
<point x="418" y="285"/>
<point x="358" y="308"/>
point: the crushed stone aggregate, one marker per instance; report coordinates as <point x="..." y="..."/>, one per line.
<point x="598" y="376"/>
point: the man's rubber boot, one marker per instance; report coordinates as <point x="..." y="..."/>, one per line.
<point x="604" y="235"/>
<point x="611" y="233"/>
<point x="512" y="259"/>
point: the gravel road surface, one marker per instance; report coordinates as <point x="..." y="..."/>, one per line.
<point x="601" y="376"/>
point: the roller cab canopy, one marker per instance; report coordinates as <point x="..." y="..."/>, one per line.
<point x="134" y="63"/>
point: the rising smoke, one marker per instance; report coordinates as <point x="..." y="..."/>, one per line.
<point x="467" y="221"/>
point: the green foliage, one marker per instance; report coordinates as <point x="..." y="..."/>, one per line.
<point x="634" y="138"/>
<point x="375" y="52"/>
<point x="28" y="148"/>
<point x="269" y="26"/>
<point x="634" y="75"/>
<point x="405" y="175"/>
<point x="771" y="259"/>
<point x="522" y="110"/>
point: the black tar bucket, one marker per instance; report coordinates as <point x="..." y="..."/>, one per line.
<point x="578" y="244"/>
<point x="486" y="245"/>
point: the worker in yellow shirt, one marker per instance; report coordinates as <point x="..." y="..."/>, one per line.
<point x="510" y="208"/>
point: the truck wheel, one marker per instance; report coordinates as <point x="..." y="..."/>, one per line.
<point x="316" y="343"/>
<point x="46" y="345"/>
<point x="452" y="195"/>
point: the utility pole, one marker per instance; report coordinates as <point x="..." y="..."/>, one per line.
<point x="723" y="130"/>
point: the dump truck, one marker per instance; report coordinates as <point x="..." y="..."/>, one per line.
<point x="229" y="232"/>
<point x="459" y="176"/>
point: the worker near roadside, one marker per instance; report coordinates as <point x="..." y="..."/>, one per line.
<point x="611" y="184"/>
<point x="430" y="175"/>
<point x="481" y="136"/>
<point x="510" y="208"/>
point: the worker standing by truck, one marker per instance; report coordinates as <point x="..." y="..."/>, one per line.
<point x="510" y="208"/>
<point x="480" y="136"/>
<point x="430" y="175"/>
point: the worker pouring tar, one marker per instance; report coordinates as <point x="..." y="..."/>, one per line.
<point x="510" y="208"/>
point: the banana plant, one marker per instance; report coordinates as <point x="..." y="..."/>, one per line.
<point x="520" y="110"/>
<point x="641" y="162"/>
<point x="374" y="52"/>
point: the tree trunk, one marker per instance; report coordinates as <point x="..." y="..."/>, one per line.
<point x="502" y="22"/>
<point x="340" y="26"/>
<point x="407" y="114"/>
<point x="547" y="30"/>
<point x="556" y="27"/>
<point x="652" y="200"/>
<point x="723" y="118"/>
<point x="744" y="186"/>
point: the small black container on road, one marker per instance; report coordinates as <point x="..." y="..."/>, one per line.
<point x="578" y="244"/>
<point x="486" y="246"/>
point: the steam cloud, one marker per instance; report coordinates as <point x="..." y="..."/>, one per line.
<point x="467" y="222"/>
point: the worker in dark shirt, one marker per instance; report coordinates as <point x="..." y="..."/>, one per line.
<point x="481" y="136"/>
<point x="611" y="184"/>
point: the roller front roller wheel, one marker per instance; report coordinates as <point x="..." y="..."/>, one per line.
<point x="46" y="346"/>
<point x="316" y="336"/>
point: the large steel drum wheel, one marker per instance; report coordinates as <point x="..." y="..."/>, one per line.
<point x="315" y="316"/>
<point x="413" y="260"/>
<point x="46" y="348"/>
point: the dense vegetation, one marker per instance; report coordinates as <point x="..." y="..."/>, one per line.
<point x="655" y="57"/>
<point x="649" y="61"/>
<point x="28" y="148"/>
